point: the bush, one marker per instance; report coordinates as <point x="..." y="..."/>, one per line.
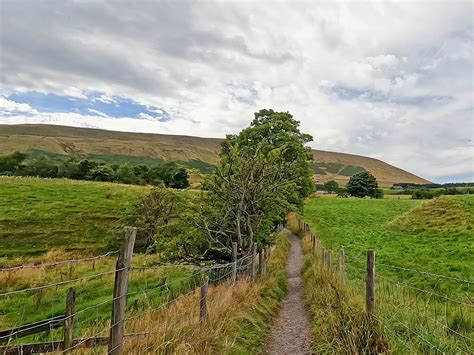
<point x="422" y="195"/>
<point x="342" y="192"/>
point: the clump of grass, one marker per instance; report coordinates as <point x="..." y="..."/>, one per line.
<point x="339" y="322"/>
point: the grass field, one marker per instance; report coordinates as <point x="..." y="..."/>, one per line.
<point x="435" y="236"/>
<point x="38" y="215"/>
<point x="46" y="220"/>
<point x="426" y="307"/>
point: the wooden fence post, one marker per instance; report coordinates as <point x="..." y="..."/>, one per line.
<point x="68" y="323"/>
<point x="203" y="301"/>
<point x="120" y="291"/>
<point x="261" y="261"/>
<point x="370" y="283"/>
<point x="254" y="261"/>
<point x="342" y="265"/>
<point x="264" y="259"/>
<point x="234" y="262"/>
<point x="329" y="257"/>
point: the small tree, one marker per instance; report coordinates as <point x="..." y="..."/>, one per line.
<point x="364" y="184"/>
<point x="156" y="209"/>
<point x="331" y="186"/>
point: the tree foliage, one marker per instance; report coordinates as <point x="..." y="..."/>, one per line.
<point x="160" y="207"/>
<point x="364" y="184"/>
<point x="169" y="174"/>
<point x="331" y="186"/>
<point x="263" y="173"/>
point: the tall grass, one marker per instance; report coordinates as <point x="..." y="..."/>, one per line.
<point x="239" y="316"/>
<point x="339" y="323"/>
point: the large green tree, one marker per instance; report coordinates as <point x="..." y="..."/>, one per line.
<point x="364" y="184"/>
<point x="263" y="173"/>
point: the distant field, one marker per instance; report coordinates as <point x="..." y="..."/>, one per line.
<point x="38" y="215"/>
<point x="435" y="236"/>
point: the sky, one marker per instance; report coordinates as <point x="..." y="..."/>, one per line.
<point x="389" y="80"/>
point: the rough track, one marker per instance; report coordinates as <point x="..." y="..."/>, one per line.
<point x="290" y="332"/>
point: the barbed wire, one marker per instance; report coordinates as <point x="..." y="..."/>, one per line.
<point x="61" y="283"/>
<point x="430" y="292"/>
<point x="70" y="261"/>
<point x="396" y="321"/>
<point x="426" y="273"/>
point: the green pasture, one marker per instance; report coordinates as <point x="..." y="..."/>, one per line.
<point x="38" y="215"/>
<point x="435" y="236"/>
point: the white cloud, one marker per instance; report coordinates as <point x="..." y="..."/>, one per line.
<point x="386" y="79"/>
<point x="10" y="107"/>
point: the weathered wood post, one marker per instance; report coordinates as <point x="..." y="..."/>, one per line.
<point x="264" y="259"/>
<point x="68" y="323"/>
<point x="254" y="261"/>
<point x="314" y="244"/>
<point x="124" y="259"/>
<point x="261" y="262"/>
<point x="342" y="265"/>
<point x="234" y="262"/>
<point x="203" y="301"/>
<point x="329" y="257"/>
<point x="370" y="283"/>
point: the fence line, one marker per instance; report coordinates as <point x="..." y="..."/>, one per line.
<point x="371" y="301"/>
<point x="426" y="273"/>
<point x="61" y="283"/>
<point x="56" y="263"/>
<point x="215" y="273"/>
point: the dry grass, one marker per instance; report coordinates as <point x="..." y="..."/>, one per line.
<point x="239" y="317"/>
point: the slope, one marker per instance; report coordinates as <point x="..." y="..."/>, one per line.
<point x="80" y="142"/>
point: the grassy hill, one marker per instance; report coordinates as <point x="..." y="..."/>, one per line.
<point x="192" y="151"/>
<point x="81" y="217"/>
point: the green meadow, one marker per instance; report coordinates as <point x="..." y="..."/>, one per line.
<point x="40" y="215"/>
<point x="435" y="236"/>
<point x="424" y="271"/>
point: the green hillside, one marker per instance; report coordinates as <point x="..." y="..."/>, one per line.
<point x="40" y="215"/>
<point x="195" y="152"/>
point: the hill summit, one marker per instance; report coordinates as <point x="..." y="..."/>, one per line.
<point x="197" y="152"/>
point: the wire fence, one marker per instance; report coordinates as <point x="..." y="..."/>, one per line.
<point x="151" y="289"/>
<point x="405" y="307"/>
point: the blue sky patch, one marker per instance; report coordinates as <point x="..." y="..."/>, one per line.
<point x="94" y="104"/>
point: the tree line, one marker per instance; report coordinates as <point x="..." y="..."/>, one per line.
<point x="169" y="174"/>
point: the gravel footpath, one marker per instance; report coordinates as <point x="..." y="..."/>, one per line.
<point x="290" y="332"/>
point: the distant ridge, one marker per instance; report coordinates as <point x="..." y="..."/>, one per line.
<point x="84" y="141"/>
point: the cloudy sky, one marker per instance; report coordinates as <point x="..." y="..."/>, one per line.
<point x="390" y="80"/>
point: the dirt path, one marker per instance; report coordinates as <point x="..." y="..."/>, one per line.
<point x="290" y="332"/>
